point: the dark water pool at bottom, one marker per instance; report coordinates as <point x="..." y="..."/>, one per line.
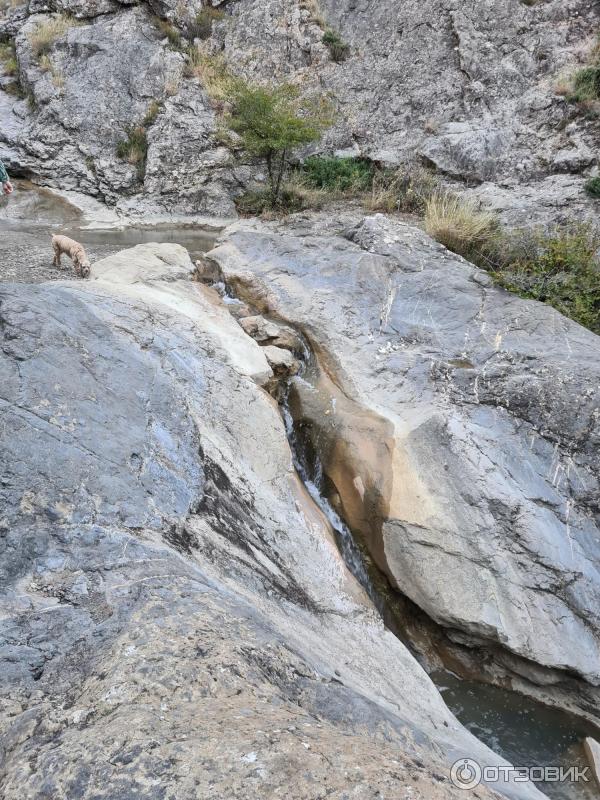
<point x="523" y="731"/>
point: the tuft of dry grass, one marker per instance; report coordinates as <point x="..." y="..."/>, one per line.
<point x="5" y="5"/>
<point x="47" y="65"/>
<point x="152" y="113"/>
<point x="308" y="196"/>
<point x="295" y="195"/>
<point x="48" y="32"/>
<point x="563" y="86"/>
<point x="211" y="71"/>
<point x="458" y="224"/>
<point x="406" y="189"/>
<point x="315" y="13"/>
<point x="171" y="87"/>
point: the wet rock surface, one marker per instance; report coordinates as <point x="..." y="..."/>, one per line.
<point x="458" y="425"/>
<point x="177" y="621"/>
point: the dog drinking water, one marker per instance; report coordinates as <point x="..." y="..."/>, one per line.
<point x="63" y="245"/>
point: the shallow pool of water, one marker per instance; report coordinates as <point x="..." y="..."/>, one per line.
<point x="526" y="733"/>
<point x="31" y="214"/>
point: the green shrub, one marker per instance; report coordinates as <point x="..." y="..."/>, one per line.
<point x="8" y="58"/>
<point x="406" y="189"/>
<point x="134" y="148"/>
<point x="202" y="26"/>
<point x="559" y="267"/>
<point x="348" y="175"/>
<point x="592" y="187"/>
<point x="338" y="49"/>
<point x="271" y="122"/>
<point x="586" y="84"/>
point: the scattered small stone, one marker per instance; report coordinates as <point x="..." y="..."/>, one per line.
<point x="281" y="361"/>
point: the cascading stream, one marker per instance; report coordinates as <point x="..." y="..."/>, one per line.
<point x="314" y="485"/>
<point x="522" y="730"/>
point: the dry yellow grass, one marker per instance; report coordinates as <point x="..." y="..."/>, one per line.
<point x="563" y="86"/>
<point x="211" y="71"/>
<point x="408" y="190"/>
<point x="458" y="224"/>
<point x="47" y="33"/>
<point x="308" y="195"/>
<point x="6" y="4"/>
<point x="46" y="65"/>
<point x="314" y="9"/>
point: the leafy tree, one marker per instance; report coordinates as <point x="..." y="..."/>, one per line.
<point x="272" y="122"/>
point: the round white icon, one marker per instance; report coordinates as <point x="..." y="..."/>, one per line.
<point x="465" y="773"/>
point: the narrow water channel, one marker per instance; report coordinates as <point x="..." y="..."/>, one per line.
<point x="523" y="731"/>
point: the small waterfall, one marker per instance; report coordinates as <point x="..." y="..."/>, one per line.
<point x="314" y="485"/>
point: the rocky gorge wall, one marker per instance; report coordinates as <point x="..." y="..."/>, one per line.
<point x="468" y="87"/>
<point x="176" y="619"/>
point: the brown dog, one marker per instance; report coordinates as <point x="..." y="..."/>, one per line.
<point x="75" y="251"/>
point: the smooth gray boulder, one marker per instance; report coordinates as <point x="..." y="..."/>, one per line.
<point x="458" y="424"/>
<point x="176" y="618"/>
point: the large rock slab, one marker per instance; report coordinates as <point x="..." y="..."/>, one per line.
<point x="459" y="426"/>
<point x="176" y="619"/>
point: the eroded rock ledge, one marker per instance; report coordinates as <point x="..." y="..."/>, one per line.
<point x="176" y="620"/>
<point x="458" y="426"/>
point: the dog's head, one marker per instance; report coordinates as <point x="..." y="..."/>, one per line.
<point x="84" y="268"/>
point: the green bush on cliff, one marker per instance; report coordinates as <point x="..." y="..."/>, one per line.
<point x="592" y="187"/>
<point x="270" y="123"/>
<point x="351" y="175"/>
<point x="8" y="58"/>
<point x="586" y="84"/>
<point x="338" y="49"/>
<point x="134" y="147"/>
<point x="559" y="267"/>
